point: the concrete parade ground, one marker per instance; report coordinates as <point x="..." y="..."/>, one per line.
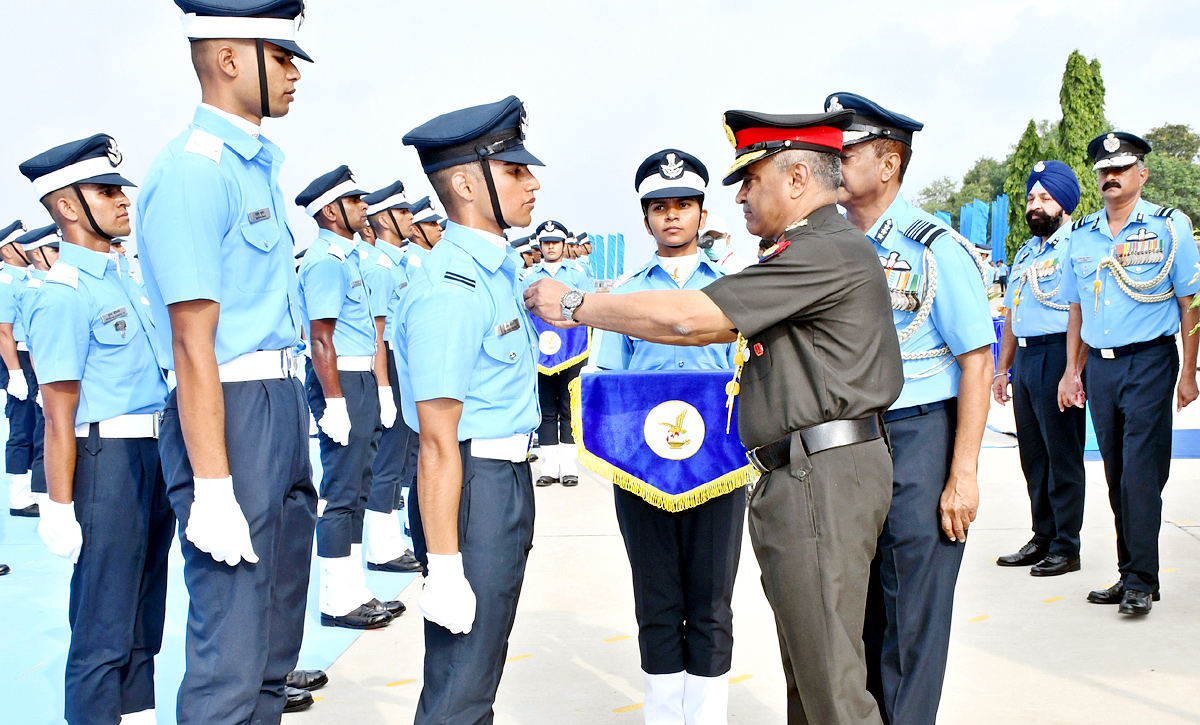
<point x="1023" y="650"/>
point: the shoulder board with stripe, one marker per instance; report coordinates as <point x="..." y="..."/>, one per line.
<point x="1079" y="224"/>
<point x="336" y="251"/>
<point x="1141" y="217"/>
<point x="1163" y="211"/>
<point x="1096" y="223"/>
<point x="459" y="279"/>
<point x="65" y="274"/>
<point x="924" y="232"/>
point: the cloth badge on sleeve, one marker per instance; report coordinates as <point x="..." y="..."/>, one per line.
<point x="774" y="250"/>
<point x="659" y="435"/>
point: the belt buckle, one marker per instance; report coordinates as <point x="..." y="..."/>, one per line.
<point x="1108" y="353"/>
<point x="752" y="455"/>
<point x="1021" y="342"/>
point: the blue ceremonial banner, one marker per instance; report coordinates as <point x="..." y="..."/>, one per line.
<point x="944" y="216"/>
<point x="999" y="227"/>
<point x="660" y="435"/>
<point x="560" y="349"/>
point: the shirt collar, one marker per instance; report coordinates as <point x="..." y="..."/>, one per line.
<point x="893" y="213"/>
<point x="1142" y="207"/>
<point x="483" y="246"/>
<point x="346" y="245"/>
<point x="94" y="263"/>
<point x="233" y="130"/>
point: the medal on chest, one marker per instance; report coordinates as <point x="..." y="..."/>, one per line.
<point x="1145" y="247"/>
<point x="904" y="285"/>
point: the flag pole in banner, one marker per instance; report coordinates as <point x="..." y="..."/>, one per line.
<point x="620" y="255"/>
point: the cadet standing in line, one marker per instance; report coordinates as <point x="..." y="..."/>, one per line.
<point x="818" y="363"/>
<point x="1133" y="275"/>
<point x="465" y="348"/>
<point x="41" y="247"/>
<point x="944" y="324"/>
<point x="555" y="439"/>
<point x="1034" y="345"/>
<point x="395" y="463"/>
<point x="216" y="253"/>
<point x="344" y="393"/>
<point x="107" y="512"/>
<point x="683" y="562"/>
<point x="18" y="377"/>
<point x="426" y="230"/>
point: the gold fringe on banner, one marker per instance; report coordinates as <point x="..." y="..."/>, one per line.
<point x="564" y="365"/>
<point x="668" y="502"/>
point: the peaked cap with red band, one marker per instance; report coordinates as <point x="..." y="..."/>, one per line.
<point x="759" y="135"/>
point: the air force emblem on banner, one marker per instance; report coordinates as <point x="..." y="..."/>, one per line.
<point x="549" y="342"/>
<point x="674" y="430"/>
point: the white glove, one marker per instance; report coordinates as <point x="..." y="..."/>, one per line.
<point x="336" y="421"/>
<point x="38" y="399"/>
<point x="447" y="599"/>
<point x="216" y="524"/>
<point x="387" y="406"/>
<point x="17" y="387"/>
<point x="60" y="530"/>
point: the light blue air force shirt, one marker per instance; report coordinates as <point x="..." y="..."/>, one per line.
<point x="332" y="288"/>
<point x="89" y="322"/>
<point x="622" y="352"/>
<point x="212" y="225"/>
<point x="25" y="300"/>
<point x="13" y="281"/>
<point x="569" y="272"/>
<point x="1046" y="263"/>
<point x="1112" y="318"/>
<point x="960" y="317"/>
<point x="462" y="332"/>
<point x="399" y="273"/>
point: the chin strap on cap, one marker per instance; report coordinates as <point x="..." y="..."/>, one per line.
<point x="88" y="212"/>
<point x="264" y="98"/>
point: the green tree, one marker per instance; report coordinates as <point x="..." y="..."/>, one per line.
<point x="1028" y="152"/>
<point x="936" y="196"/>
<point x="1172" y="181"/>
<point x="1082" y="102"/>
<point x="1175" y="140"/>
<point x="983" y="181"/>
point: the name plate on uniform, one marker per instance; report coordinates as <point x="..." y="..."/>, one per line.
<point x="559" y="349"/>
<point x="108" y="317"/>
<point x="659" y="435"/>
<point x="507" y="327"/>
<point x="260" y="215"/>
<point x="356" y="283"/>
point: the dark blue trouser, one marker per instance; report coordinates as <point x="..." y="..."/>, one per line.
<point x="392" y="469"/>
<point x="495" y="534"/>
<point x="18" y="453"/>
<point x="245" y="622"/>
<point x="684" y="564"/>
<point x="911" y="597"/>
<point x="119" y="586"/>
<point x="1051" y="448"/>
<point x="554" y="397"/>
<point x="346" y="470"/>
<point x="1132" y="400"/>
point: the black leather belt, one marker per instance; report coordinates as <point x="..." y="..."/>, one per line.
<point x="912" y="411"/>
<point x="1057" y="337"/>
<point x="817" y="438"/>
<point x="1111" y="353"/>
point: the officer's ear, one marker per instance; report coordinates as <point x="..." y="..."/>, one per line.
<point x="703" y="218"/>
<point x="889" y="166"/>
<point x="799" y="178"/>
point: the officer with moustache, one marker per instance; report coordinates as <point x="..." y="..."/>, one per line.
<point x="1034" y="348"/>
<point x="1133" y="276"/>
<point x="466" y="352"/>
<point x="216" y="252"/>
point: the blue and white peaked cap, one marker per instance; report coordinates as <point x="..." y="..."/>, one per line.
<point x="871" y="120"/>
<point x="47" y="236"/>
<point x="10" y="233"/>
<point x="328" y="188"/>
<point x="389" y="197"/>
<point x="551" y="231"/>
<point x="671" y="174"/>
<point x="92" y="160"/>
<point x="491" y="131"/>
<point x="424" y="211"/>
<point x="275" y="21"/>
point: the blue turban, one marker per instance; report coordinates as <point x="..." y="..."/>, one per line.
<point x="1059" y="180"/>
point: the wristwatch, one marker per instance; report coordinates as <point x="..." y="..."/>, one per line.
<point x="571" y="302"/>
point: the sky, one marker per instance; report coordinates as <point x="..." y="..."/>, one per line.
<point x="606" y="84"/>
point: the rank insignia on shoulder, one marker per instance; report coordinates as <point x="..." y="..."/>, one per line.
<point x="1078" y="224"/>
<point x="883" y="231"/>
<point x="260" y="215"/>
<point x="774" y="250"/>
<point x="460" y="279"/>
<point x="1164" y="211"/>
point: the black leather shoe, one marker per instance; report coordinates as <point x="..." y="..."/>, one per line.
<point x="394" y="608"/>
<point x="30" y="511"/>
<point x="531" y="457"/>
<point x="1053" y="565"/>
<point x="545" y="481"/>
<point x="403" y="564"/>
<point x="307" y="679"/>
<point x="1135" y="602"/>
<point x="364" y="617"/>
<point x="297" y="699"/>
<point x="1113" y="595"/>
<point x="4" y="569"/>
<point x="1030" y="553"/>
<point x="570" y="480"/>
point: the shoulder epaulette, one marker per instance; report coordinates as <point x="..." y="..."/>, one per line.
<point x="384" y="261"/>
<point x="924" y="232"/>
<point x="1079" y="224"/>
<point x="624" y="278"/>
<point x="34" y="283"/>
<point x="413" y="261"/>
<point x="63" y="273"/>
<point x="6" y="278"/>
<point x="336" y="251"/>
<point x="1096" y="223"/>
<point x="205" y="144"/>
<point x="1163" y="211"/>
<point x="459" y="279"/>
<point x="884" y="230"/>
